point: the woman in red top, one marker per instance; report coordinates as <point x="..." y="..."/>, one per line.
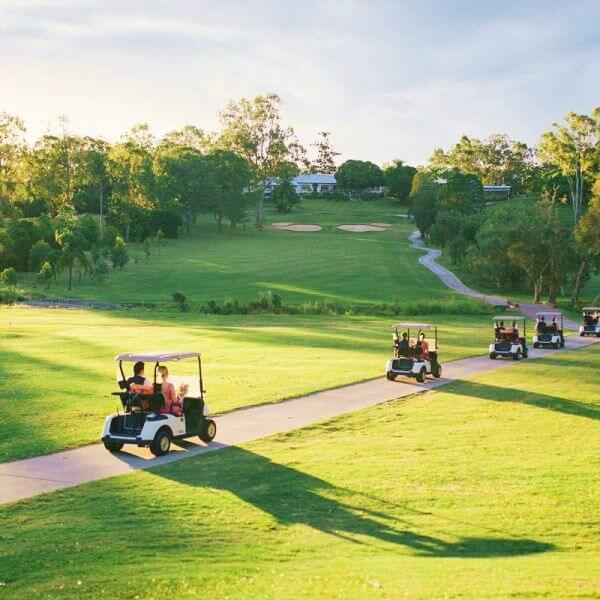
<point x="172" y="403"/>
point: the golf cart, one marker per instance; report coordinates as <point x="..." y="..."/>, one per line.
<point x="591" y="321"/>
<point x="412" y="357"/>
<point x="509" y="342"/>
<point x="143" y="420"/>
<point x="549" y="330"/>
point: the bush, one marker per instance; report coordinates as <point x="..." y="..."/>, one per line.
<point x="181" y="301"/>
<point x="118" y="254"/>
<point x="39" y="254"/>
<point x="9" y="277"/>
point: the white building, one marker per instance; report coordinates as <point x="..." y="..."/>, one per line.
<point x="310" y="183"/>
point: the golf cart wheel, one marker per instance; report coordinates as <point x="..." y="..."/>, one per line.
<point x="113" y="446"/>
<point x="210" y="431"/>
<point x="536" y="345"/>
<point x="436" y="371"/>
<point x="390" y="376"/>
<point x="161" y="444"/>
<point x="493" y="355"/>
<point x="517" y="355"/>
<point x="422" y="375"/>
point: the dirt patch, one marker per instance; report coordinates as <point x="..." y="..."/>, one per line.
<point x="360" y="228"/>
<point x="381" y="224"/>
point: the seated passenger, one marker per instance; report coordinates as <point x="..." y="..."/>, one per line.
<point x="404" y="346"/>
<point x="138" y="384"/>
<point x="541" y="325"/>
<point x="424" y="345"/>
<point x="553" y="326"/>
<point x="172" y="403"/>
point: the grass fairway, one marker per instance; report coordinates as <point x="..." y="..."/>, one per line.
<point x="57" y="368"/>
<point x="331" y="265"/>
<point x="489" y="488"/>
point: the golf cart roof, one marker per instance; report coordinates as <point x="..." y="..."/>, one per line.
<point x="591" y="309"/>
<point x="412" y="326"/>
<point x="510" y="318"/>
<point x="550" y="313"/>
<point x="155" y="356"/>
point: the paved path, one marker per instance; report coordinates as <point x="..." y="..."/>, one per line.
<point x="33" y="476"/>
<point x="449" y="279"/>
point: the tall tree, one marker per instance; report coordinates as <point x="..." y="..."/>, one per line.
<point x="358" y="176"/>
<point x="498" y="160"/>
<point x="190" y="137"/>
<point x="573" y="149"/>
<point x="587" y="236"/>
<point x="398" y="179"/>
<point x="324" y="161"/>
<point x="12" y="145"/>
<point x="253" y="129"/>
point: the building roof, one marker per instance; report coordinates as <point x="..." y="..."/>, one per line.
<point x="309" y="178"/>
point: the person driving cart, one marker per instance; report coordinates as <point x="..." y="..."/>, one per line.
<point x="138" y="384"/>
<point x="541" y="325"/>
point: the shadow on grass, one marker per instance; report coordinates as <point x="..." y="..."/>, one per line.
<point x="293" y="497"/>
<point x="501" y="394"/>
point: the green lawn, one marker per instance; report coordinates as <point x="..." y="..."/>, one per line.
<point x="488" y="488"/>
<point x="331" y="265"/>
<point x="57" y="368"/>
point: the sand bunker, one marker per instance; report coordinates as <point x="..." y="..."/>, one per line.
<point x="381" y="224"/>
<point x="298" y="227"/>
<point x="360" y="228"/>
<point x="280" y="225"/>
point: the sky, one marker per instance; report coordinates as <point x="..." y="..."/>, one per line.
<point x="389" y="79"/>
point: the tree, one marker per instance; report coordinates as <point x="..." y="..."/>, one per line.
<point x="325" y="160"/>
<point x="9" y="277"/>
<point x="118" y="254"/>
<point x="498" y="160"/>
<point x="424" y="205"/>
<point x="587" y="237"/>
<point x="573" y="149"/>
<point x="46" y="274"/>
<point x="398" y="179"/>
<point x="190" y="138"/>
<point x="253" y="129"/>
<point x="231" y="175"/>
<point x="358" y="176"/>
<point x="461" y="192"/>
<point x="70" y="241"/>
<point x="285" y="196"/>
<point x="39" y="254"/>
<point x="12" y="146"/>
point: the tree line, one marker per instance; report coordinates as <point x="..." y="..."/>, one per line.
<point x="547" y="239"/>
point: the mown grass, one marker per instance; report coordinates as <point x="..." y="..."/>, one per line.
<point x="331" y="265"/>
<point x="57" y="368"/>
<point x="487" y="488"/>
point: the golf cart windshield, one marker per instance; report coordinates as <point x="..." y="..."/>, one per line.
<point x="185" y="375"/>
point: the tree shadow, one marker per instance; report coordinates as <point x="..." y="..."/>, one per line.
<point x="502" y="394"/>
<point x="293" y="497"/>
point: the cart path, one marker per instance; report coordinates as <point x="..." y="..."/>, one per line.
<point x="449" y="279"/>
<point x="33" y="476"/>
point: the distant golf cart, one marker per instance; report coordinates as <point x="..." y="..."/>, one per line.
<point x="509" y="342"/>
<point x="591" y="321"/>
<point x="414" y="357"/>
<point x="549" y="330"/>
<point x="143" y="423"/>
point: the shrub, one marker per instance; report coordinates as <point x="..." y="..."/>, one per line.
<point x="46" y="274"/>
<point x="118" y="254"/>
<point x="9" y="277"/>
<point x="166" y="221"/>
<point x="181" y="301"/>
<point x="39" y="254"/>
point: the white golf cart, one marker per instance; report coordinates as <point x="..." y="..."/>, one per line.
<point x="413" y="357"/>
<point x="549" y="330"/>
<point x="591" y="321"/>
<point x="509" y="341"/>
<point x="143" y="421"/>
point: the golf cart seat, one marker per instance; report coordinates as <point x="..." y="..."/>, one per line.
<point x="193" y="409"/>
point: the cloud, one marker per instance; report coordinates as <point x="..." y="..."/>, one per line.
<point x="388" y="79"/>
